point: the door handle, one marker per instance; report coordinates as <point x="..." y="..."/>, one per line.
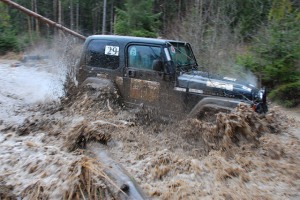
<point x="131" y="73"/>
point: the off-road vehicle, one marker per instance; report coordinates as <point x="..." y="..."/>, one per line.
<point x="161" y="74"/>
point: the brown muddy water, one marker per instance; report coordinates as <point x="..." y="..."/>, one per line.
<point x="86" y="146"/>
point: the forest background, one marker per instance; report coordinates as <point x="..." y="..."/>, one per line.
<point x="239" y="38"/>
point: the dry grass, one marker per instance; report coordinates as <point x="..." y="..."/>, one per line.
<point x="12" y="56"/>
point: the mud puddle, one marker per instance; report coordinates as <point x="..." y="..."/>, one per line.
<point x="52" y="152"/>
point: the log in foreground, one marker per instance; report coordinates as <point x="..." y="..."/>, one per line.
<point x="128" y="187"/>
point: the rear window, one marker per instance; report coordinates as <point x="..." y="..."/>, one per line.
<point x="103" y="54"/>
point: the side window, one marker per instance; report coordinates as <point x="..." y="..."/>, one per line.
<point x="143" y="57"/>
<point x="103" y="54"/>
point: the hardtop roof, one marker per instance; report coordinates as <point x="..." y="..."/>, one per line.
<point x="131" y="39"/>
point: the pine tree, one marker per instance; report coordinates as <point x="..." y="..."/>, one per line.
<point x="8" y="39"/>
<point x="137" y="19"/>
<point x="275" y="53"/>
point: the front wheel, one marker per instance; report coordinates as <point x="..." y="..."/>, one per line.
<point x="208" y="112"/>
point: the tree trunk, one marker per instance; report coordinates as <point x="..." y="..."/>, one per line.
<point x="59" y="12"/>
<point x="71" y="15"/>
<point x="111" y="17"/>
<point x="104" y="17"/>
<point x="29" y="28"/>
<point x="59" y="16"/>
<point x="179" y="11"/>
<point x="55" y="5"/>
<point x="77" y="16"/>
<point x="37" y="27"/>
<point x="32" y="19"/>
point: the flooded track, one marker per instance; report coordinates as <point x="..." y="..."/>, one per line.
<point x="27" y="84"/>
<point x="53" y="148"/>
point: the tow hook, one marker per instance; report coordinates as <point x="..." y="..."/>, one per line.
<point x="260" y="107"/>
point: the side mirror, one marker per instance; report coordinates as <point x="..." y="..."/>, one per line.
<point x="157" y="65"/>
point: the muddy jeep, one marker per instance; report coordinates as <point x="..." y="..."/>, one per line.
<point x="162" y="75"/>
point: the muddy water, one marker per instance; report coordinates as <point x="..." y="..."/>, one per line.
<point x="239" y="156"/>
<point x="27" y="84"/>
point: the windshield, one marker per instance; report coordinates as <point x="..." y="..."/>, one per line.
<point x="182" y="56"/>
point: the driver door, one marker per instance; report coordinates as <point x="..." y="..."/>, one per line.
<point x="143" y="84"/>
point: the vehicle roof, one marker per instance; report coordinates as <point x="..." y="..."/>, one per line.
<point x="129" y="39"/>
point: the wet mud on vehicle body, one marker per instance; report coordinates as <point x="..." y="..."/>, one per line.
<point x="162" y="74"/>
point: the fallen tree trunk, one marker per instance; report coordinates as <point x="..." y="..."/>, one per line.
<point x="43" y="19"/>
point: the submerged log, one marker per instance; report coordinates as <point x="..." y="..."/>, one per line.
<point x="128" y="188"/>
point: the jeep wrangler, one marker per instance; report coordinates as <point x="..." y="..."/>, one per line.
<point x="161" y="74"/>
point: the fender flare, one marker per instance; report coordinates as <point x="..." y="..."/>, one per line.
<point x="215" y="103"/>
<point x="98" y="83"/>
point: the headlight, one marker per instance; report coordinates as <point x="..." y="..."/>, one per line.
<point x="261" y="105"/>
<point x="261" y="94"/>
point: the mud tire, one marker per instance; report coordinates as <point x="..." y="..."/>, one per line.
<point x="208" y="112"/>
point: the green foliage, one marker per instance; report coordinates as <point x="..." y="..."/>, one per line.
<point x="279" y="9"/>
<point x="277" y="50"/>
<point x="287" y="95"/>
<point x="246" y="16"/>
<point x="137" y="19"/>
<point x="8" y="40"/>
<point x="275" y="53"/>
<point x="5" y="18"/>
<point x="248" y="61"/>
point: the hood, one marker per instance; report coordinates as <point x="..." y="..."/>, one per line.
<point x="202" y="82"/>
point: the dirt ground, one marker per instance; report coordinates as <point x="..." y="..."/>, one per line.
<point x="58" y="146"/>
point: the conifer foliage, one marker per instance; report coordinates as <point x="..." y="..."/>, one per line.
<point x="230" y="37"/>
<point x="137" y="19"/>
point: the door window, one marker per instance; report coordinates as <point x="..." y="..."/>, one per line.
<point x="143" y="57"/>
